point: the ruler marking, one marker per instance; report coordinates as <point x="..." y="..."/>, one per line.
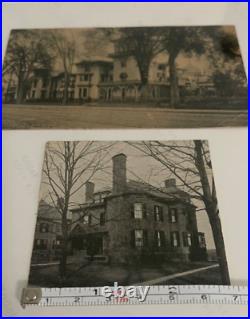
<point x="189" y="294"/>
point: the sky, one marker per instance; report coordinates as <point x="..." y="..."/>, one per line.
<point x="139" y="167"/>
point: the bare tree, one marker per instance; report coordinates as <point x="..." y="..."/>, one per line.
<point x="26" y="52"/>
<point x="68" y="166"/>
<point x="190" y="163"/>
<point x="64" y="44"/>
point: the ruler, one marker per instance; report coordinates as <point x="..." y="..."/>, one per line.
<point x="93" y="296"/>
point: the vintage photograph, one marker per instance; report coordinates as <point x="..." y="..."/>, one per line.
<point x="140" y="77"/>
<point x="135" y="212"/>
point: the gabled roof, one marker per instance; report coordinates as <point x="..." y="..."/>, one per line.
<point x="167" y="193"/>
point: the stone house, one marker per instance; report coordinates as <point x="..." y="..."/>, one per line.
<point x="134" y="221"/>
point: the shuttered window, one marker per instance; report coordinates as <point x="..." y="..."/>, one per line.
<point x="173" y="217"/>
<point x="138" y="211"/>
<point x="139" y="238"/>
<point x="160" y="240"/>
<point x="158" y="213"/>
<point x="175" y="239"/>
<point x="187" y="239"/>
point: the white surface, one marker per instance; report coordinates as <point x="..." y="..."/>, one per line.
<point x="23" y="152"/>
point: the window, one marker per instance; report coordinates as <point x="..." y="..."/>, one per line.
<point x="161" y="67"/>
<point x="123" y="76"/>
<point x="102" y="219"/>
<point x="41" y="243"/>
<point x="35" y="83"/>
<point x="158" y="213"/>
<point x="85" y="77"/>
<point x="33" y="94"/>
<point x="173" y="215"/>
<point x="86" y="219"/>
<point x="97" y="198"/>
<point x="139" y="238"/>
<point x="175" y="239"/>
<point x="123" y="63"/>
<point x="202" y="241"/>
<point x="44" y="228"/>
<point x="187" y="239"/>
<point x="87" y="68"/>
<point x="83" y="93"/>
<point x="43" y="94"/>
<point x="58" y="228"/>
<point x="44" y="82"/>
<point x="159" y="238"/>
<point x="138" y="210"/>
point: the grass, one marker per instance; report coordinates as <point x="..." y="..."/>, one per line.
<point x="101" y="275"/>
<point x="114" y="116"/>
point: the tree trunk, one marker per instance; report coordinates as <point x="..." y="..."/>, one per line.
<point x="63" y="261"/>
<point x="211" y="207"/>
<point x="64" y="247"/>
<point x="20" y="92"/>
<point x="173" y="78"/>
<point x="66" y="88"/>
<point x="219" y="245"/>
<point x="145" y="93"/>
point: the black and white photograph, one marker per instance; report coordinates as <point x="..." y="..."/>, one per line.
<point x="139" y="77"/>
<point x="135" y="212"/>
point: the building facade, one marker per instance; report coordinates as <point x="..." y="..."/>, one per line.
<point x="109" y="79"/>
<point x="47" y="239"/>
<point x="133" y="222"/>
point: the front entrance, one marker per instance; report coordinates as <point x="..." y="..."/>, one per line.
<point x="91" y="243"/>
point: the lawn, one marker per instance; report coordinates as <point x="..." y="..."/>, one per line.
<point x="102" y="275"/>
<point x="115" y="116"/>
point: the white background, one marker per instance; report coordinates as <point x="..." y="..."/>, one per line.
<point x="23" y="151"/>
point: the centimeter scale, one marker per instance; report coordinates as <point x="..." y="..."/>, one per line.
<point x="92" y="296"/>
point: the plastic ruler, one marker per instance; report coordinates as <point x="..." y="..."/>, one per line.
<point x="93" y="296"/>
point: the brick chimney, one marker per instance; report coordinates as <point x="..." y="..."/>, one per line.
<point x="119" y="173"/>
<point x="89" y="191"/>
<point x="170" y="182"/>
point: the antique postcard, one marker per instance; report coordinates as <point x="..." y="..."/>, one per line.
<point x="137" y="213"/>
<point x="135" y="77"/>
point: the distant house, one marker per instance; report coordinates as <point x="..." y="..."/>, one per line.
<point x="47" y="239"/>
<point x="134" y="222"/>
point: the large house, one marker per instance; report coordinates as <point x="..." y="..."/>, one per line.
<point x="130" y="222"/>
<point x="110" y="79"/>
<point x="133" y="221"/>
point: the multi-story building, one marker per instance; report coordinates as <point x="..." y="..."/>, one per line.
<point x="110" y="79"/>
<point x="134" y="221"/>
<point x="47" y="239"/>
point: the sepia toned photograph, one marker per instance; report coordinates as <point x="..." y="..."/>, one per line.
<point x="133" y="77"/>
<point x="135" y="212"/>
